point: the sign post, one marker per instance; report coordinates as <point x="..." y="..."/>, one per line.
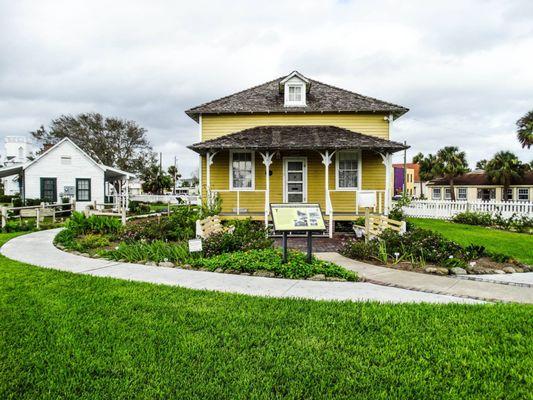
<point x="366" y="199"/>
<point x="297" y="217"/>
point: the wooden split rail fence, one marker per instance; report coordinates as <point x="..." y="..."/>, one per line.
<point x="38" y="212"/>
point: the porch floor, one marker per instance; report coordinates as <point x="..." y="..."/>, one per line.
<point x="320" y="244"/>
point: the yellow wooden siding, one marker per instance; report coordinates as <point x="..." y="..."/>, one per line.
<point x="373" y="177"/>
<point x="214" y="126"/>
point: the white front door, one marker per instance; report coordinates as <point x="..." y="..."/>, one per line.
<point x="295" y="180"/>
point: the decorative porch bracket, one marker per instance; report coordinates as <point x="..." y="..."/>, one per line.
<point x="267" y="160"/>
<point x="208" y="162"/>
<point x="326" y="160"/>
<point x="387" y="161"/>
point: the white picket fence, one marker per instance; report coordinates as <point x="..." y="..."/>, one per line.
<point x="166" y="198"/>
<point x="446" y="209"/>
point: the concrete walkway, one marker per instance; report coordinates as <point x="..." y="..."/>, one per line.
<point x="490" y="291"/>
<point x="37" y="249"/>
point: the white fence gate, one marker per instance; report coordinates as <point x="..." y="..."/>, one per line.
<point x="446" y="209"/>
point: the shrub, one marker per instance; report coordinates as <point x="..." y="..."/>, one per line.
<point x="271" y="260"/>
<point x="473" y="218"/>
<point x="248" y="235"/>
<point x="19" y="226"/>
<point x="93" y="241"/>
<point x="79" y="224"/>
<point x="67" y="239"/>
<point x="454" y="262"/>
<point x="474" y="251"/>
<point x="4" y="198"/>
<point x="157" y="251"/>
<point x="136" y="207"/>
<point x="360" y="250"/>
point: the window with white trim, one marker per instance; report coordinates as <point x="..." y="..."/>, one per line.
<point x="242" y="170"/>
<point x="461" y="194"/>
<point x="447" y="194"/>
<point x="294" y="94"/>
<point x="436" y="193"/>
<point x="523" y="194"/>
<point x="347" y="169"/>
<point x="509" y="194"/>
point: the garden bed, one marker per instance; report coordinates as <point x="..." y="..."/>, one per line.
<point x="163" y="242"/>
<point x="425" y="251"/>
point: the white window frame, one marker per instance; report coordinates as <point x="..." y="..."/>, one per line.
<point x="447" y="193"/>
<point x="433" y="197"/>
<point x="512" y="193"/>
<point x="292" y="103"/>
<point x="250" y="189"/>
<point x="518" y="194"/>
<point x="459" y="197"/>
<point x="359" y="170"/>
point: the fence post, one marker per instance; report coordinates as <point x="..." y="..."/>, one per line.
<point x="38" y="217"/>
<point x="4" y="217"/>
<point x="123" y="211"/>
<point x="54" y="215"/>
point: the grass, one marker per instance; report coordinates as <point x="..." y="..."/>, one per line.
<point x="517" y="245"/>
<point x="75" y="336"/>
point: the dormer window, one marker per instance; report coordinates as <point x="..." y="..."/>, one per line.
<point x="295" y="86"/>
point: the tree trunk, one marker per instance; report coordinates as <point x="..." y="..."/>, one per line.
<point x="452" y="189"/>
<point x="505" y="189"/>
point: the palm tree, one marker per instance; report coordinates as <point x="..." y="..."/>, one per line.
<point x="450" y="164"/>
<point x="504" y="168"/>
<point x="427" y="167"/>
<point x="525" y="130"/>
<point x="481" y="164"/>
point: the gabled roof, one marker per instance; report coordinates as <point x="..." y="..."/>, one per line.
<point x="479" y="178"/>
<point x="266" y="98"/>
<point x="300" y="137"/>
<point x="21" y="167"/>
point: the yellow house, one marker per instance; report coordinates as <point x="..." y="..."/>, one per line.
<point x="295" y="140"/>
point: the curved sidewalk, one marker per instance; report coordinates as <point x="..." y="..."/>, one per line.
<point x="449" y="285"/>
<point x="37" y="249"/>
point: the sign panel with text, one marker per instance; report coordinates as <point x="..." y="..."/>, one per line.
<point x="297" y="217"/>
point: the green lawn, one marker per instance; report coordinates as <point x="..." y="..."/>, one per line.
<point x="517" y="245"/>
<point x="72" y="336"/>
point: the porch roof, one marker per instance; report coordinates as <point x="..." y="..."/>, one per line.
<point x="297" y="137"/>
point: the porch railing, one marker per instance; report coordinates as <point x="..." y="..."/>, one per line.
<point x="446" y="209"/>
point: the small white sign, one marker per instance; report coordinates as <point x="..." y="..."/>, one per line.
<point x="195" y="245"/>
<point x="366" y="198"/>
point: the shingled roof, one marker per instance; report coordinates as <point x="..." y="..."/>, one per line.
<point x="480" y="178"/>
<point x="266" y="98"/>
<point x="297" y="137"/>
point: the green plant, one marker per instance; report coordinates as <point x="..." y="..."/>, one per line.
<point x="93" y="241"/>
<point x="19" y="226"/>
<point x="453" y="262"/>
<point x="157" y="251"/>
<point x="473" y="218"/>
<point x="382" y="256"/>
<point x="80" y="224"/>
<point x="296" y="266"/>
<point x="359" y="249"/>
<point x="211" y="208"/>
<point x="247" y="235"/>
<point x="136" y="207"/>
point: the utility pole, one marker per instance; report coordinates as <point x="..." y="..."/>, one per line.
<point x="175" y="173"/>
<point x="404" y="169"/>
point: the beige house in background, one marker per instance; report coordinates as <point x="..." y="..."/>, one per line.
<point x="475" y="186"/>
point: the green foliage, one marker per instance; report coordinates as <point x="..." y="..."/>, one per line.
<point x="474" y="251"/>
<point x="504" y="169"/>
<point x="19" y="226"/>
<point x="157" y="251"/>
<point x="79" y="224"/>
<point x="396" y="212"/>
<point x="155" y="179"/>
<point x="473" y="218"/>
<point x="136" y="207"/>
<point x="271" y="260"/>
<point x="4" y="198"/>
<point x="517" y="223"/>
<point x="247" y="235"/>
<point x="454" y="262"/>
<point x="93" y="241"/>
<point x="67" y="239"/>
<point x="360" y="250"/>
<point x="213" y="208"/>
<point x="524" y="130"/>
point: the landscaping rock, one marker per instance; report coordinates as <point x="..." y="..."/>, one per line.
<point x="509" y="270"/>
<point x="458" y="271"/>
<point x="264" y="274"/>
<point x="85" y="254"/>
<point x="167" y="264"/>
<point x="437" y="270"/>
<point x="219" y="270"/>
<point x="232" y="271"/>
<point x="499" y="272"/>
<point x="245" y="273"/>
<point x="430" y="270"/>
<point x="318" y="277"/>
<point x="60" y="246"/>
<point x="96" y="255"/>
<point x="151" y="263"/>
<point x="335" y="279"/>
<point x="442" y="271"/>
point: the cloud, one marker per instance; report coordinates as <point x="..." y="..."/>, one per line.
<point x="463" y="68"/>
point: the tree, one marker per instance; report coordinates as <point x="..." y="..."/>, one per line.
<point x="450" y="164"/>
<point x="481" y="164"/>
<point x="174" y="175"/>
<point x="427" y="167"/>
<point x="155" y="179"/>
<point x="525" y="130"/>
<point x="111" y="141"/>
<point x="504" y="168"/>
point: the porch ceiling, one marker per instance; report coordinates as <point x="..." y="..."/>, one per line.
<point x="297" y="137"/>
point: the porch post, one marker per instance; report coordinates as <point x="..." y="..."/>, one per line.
<point x="127" y="191"/>
<point x="387" y="161"/>
<point x="326" y="160"/>
<point x="267" y="160"/>
<point x="208" y="161"/>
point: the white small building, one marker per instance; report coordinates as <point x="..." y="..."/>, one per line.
<point x="65" y="170"/>
<point x="17" y="150"/>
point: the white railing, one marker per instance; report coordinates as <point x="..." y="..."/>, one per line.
<point x="166" y="198"/>
<point x="446" y="209"/>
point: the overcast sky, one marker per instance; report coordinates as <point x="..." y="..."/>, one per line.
<point x="463" y="68"/>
